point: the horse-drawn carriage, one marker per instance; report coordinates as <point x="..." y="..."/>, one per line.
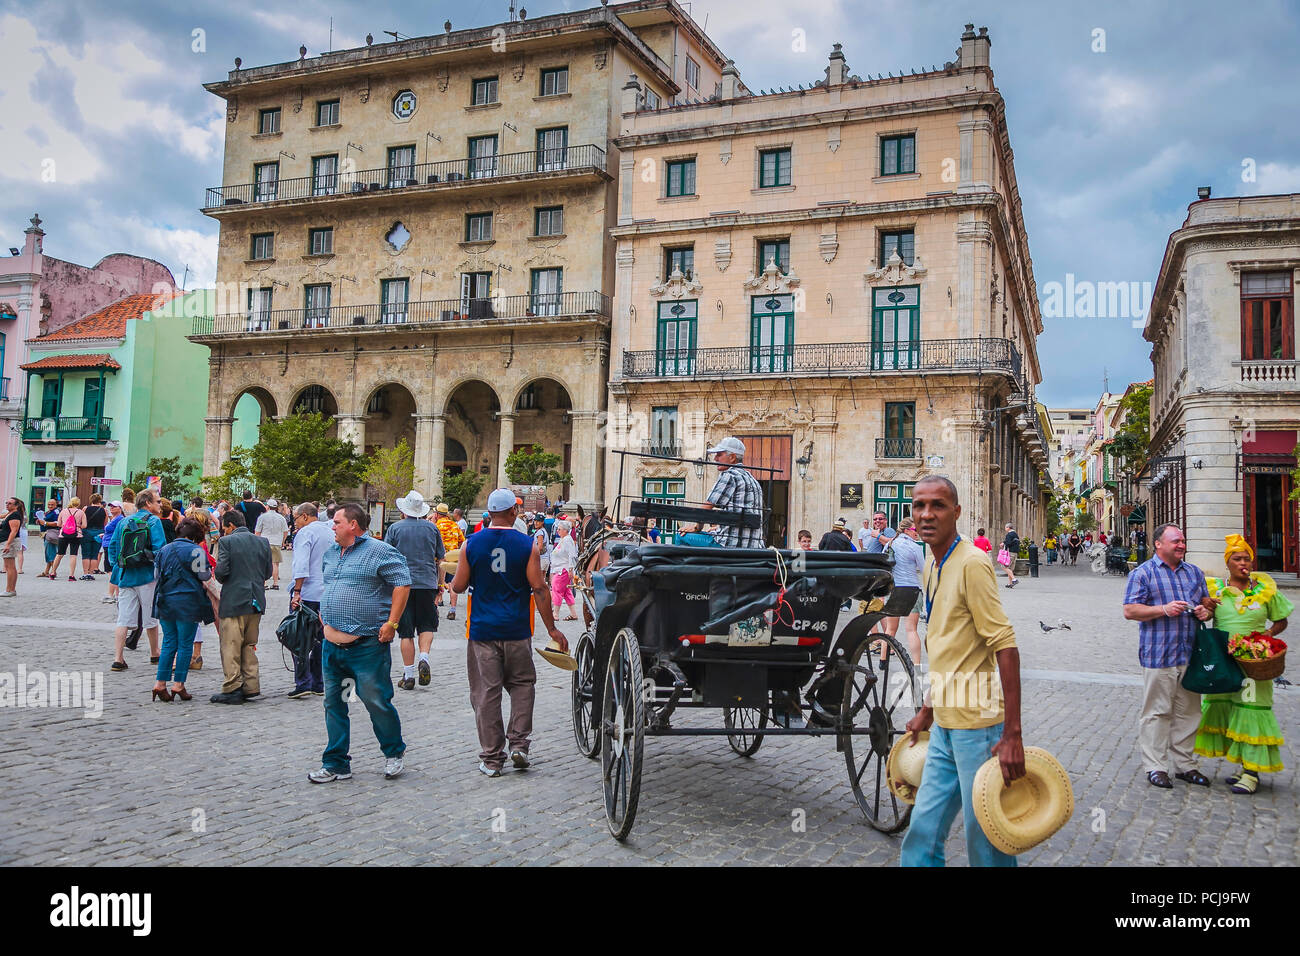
<point x="747" y="631"/>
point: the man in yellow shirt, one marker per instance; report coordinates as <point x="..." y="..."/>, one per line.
<point x="452" y="539"/>
<point x="968" y="714"/>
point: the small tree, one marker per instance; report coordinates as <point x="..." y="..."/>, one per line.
<point x="233" y="478"/>
<point x="177" y="482"/>
<point x="1131" y="446"/>
<point x="390" y="472"/>
<point x="1085" y="521"/>
<point x="294" y="457"/>
<point x="460" y="490"/>
<point x="535" y="466"/>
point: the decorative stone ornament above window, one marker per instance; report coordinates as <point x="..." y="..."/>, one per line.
<point x="404" y="104"/>
<point x="772" y="281"/>
<point x="398" y="237"/>
<point x="677" y="286"/>
<point x="896" y="271"/>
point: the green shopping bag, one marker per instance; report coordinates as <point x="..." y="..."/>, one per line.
<point x="1212" y="669"/>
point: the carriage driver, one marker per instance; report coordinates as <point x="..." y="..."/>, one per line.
<point x="735" y="490"/>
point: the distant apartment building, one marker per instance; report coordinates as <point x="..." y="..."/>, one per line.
<point x="413" y="236"/>
<point x="838" y="274"/>
<point x="1070" y="428"/>
<point x="41" y="294"/>
<point x="1225" y="410"/>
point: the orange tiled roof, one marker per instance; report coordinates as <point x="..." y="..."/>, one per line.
<point x="71" y="361"/>
<point x="109" y="322"/>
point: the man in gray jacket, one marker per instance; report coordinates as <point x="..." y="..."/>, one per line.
<point x="243" y="565"/>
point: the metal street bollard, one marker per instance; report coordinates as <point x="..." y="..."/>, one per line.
<point x="1033" y="560"/>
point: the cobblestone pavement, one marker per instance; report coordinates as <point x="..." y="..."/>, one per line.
<point x="196" y="783"/>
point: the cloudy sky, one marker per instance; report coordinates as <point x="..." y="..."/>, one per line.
<point x="107" y="132"/>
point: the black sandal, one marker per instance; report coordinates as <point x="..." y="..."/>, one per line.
<point x="1158" y="778"/>
<point x="1194" y="777"/>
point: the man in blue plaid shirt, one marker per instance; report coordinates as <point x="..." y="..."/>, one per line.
<point x="736" y="490"/>
<point x="1164" y="595"/>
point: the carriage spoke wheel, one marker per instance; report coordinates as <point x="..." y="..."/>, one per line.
<point x="583" y="694"/>
<point x="622" y="733"/>
<point x="745" y="721"/>
<point x="883" y="707"/>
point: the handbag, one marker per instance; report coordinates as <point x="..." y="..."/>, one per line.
<point x="299" y="632"/>
<point x="1211" y="669"/>
<point x="1004" y="558"/>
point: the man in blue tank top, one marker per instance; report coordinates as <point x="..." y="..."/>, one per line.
<point x="504" y="569"/>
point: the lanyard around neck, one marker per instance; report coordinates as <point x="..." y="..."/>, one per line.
<point x="929" y="602"/>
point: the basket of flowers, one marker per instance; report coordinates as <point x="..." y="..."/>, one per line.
<point x="1259" y="655"/>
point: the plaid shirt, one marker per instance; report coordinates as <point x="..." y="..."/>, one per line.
<point x="1165" y="641"/>
<point x="738" y="490"/>
<point x="359" y="585"/>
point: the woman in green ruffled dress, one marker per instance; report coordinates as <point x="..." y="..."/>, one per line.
<point x="1240" y="726"/>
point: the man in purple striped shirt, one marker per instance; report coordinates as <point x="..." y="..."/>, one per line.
<point x="1163" y="595"/>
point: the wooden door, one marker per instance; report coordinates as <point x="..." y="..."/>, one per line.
<point x="1289" y="556"/>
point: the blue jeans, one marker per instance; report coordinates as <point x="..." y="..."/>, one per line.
<point x="177" y="649"/>
<point x="950" y="765"/>
<point x="366" y="665"/>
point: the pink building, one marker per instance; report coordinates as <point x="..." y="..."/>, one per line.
<point x="40" y="294"/>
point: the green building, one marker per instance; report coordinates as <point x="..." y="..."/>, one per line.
<point x="109" y="392"/>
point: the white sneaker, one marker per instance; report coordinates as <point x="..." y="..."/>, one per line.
<point x="520" y="760"/>
<point x="393" y="768"/>
<point x="487" y="771"/>
<point x="327" y="776"/>
<point x="8" y="593"/>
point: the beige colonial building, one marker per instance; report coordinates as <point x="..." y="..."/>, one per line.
<point x="840" y="276"/>
<point x="413" y="236"/>
<point x="1226" y="404"/>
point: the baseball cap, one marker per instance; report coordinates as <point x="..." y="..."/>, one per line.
<point x="272" y="503"/>
<point x="731" y="444"/>
<point x="503" y="499"/>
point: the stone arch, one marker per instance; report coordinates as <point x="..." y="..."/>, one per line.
<point x="471" y="407"/>
<point x="328" y="402"/>
<point x="442" y="400"/>
<point x="540" y="377"/>
<point x="251" y="406"/>
<point x="389" y="414"/>
<point x="541" y="409"/>
<point x="261" y="394"/>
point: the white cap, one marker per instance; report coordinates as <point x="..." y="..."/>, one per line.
<point x="271" y="503"/>
<point x="731" y="444"/>
<point x="503" y="499"/>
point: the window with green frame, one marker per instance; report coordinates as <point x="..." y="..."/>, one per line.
<point x="675" y="337"/>
<point x="894" y="498"/>
<point x="902" y="241"/>
<point x="92" y="399"/>
<point x="666" y="490"/>
<point x="771" y="333"/>
<point x="679" y="258"/>
<point x="896" y="327"/>
<point x="548" y="221"/>
<point x="681" y="178"/>
<point x="773" y="250"/>
<point x="774" y="167"/>
<point x="897" y="154"/>
<point x="50" y="395"/>
<point x="900" y="430"/>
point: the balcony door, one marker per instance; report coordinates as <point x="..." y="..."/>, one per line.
<point x="266" y="181"/>
<point x="476" y="294"/>
<point x="663" y="431"/>
<point x="675" y="337"/>
<point x="896" y="328"/>
<point x="316" y="306"/>
<point x="546" y="288"/>
<point x="324" y="175"/>
<point x="259" y="310"/>
<point x="900" y="430"/>
<point x="482" y="157"/>
<point x="401" y="165"/>
<point x="771" y="333"/>
<point x="394" y="296"/>
<point x="92" y="400"/>
<point x="552" y="148"/>
<point x="50" y="395"/>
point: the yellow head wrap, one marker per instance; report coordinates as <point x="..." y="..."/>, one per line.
<point x="1232" y="544"/>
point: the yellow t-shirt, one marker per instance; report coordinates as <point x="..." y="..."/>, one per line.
<point x="967" y="627"/>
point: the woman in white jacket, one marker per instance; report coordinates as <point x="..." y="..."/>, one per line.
<point x="564" y="557"/>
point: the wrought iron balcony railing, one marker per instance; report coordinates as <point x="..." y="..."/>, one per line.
<point x="669" y="449"/>
<point x="68" y="429"/>
<point x="434" y="312"/>
<point x="452" y="171"/>
<point x="898" y="448"/>
<point x="932" y="355"/>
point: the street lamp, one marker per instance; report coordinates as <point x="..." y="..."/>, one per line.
<point x="804" y="461"/>
<point x="699" y="468"/>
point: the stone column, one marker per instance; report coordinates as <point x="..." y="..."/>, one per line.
<point x="224" y="434"/>
<point x="437" y="452"/>
<point x="587" y="460"/>
<point x="505" y="446"/>
<point x="423" y="453"/>
<point x="353" y="429"/>
<point x="212" y="444"/>
<point x="821" y="490"/>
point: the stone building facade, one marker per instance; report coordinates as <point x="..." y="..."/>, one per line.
<point x="1225" y="410"/>
<point x="840" y="276"/>
<point x="413" y="236"/>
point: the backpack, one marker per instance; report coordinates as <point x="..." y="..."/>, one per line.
<point x="70" y="523"/>
<point x="137" y="546"/>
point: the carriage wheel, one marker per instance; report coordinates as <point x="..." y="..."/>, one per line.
<point x="583" y="694"/>
<point x="745" y="720"/>
<point x="884" y="707"/>
<point x="622" y="732"/>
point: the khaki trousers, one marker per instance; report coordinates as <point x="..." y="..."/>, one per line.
<point x="494" y="666"/>
<point x="1170" y="716"/>
<point x="239" y="653"/>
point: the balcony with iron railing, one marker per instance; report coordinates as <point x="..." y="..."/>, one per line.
<point x="898" y="448"/>
<point x="667" y="449"/>
<point x="392" y="316"/>
<point x="845" y="358"/>
<point x="423" y="177"/>
<point x="79" y="429"/>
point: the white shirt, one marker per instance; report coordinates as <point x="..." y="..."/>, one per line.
<point x="521" y="525"/>
<point x="309" y="547"/>
<point x="463" y="525"/>
<point x="272" y="526"/>
<point x="565" y="554"/>
<point x="864" y="535"/>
